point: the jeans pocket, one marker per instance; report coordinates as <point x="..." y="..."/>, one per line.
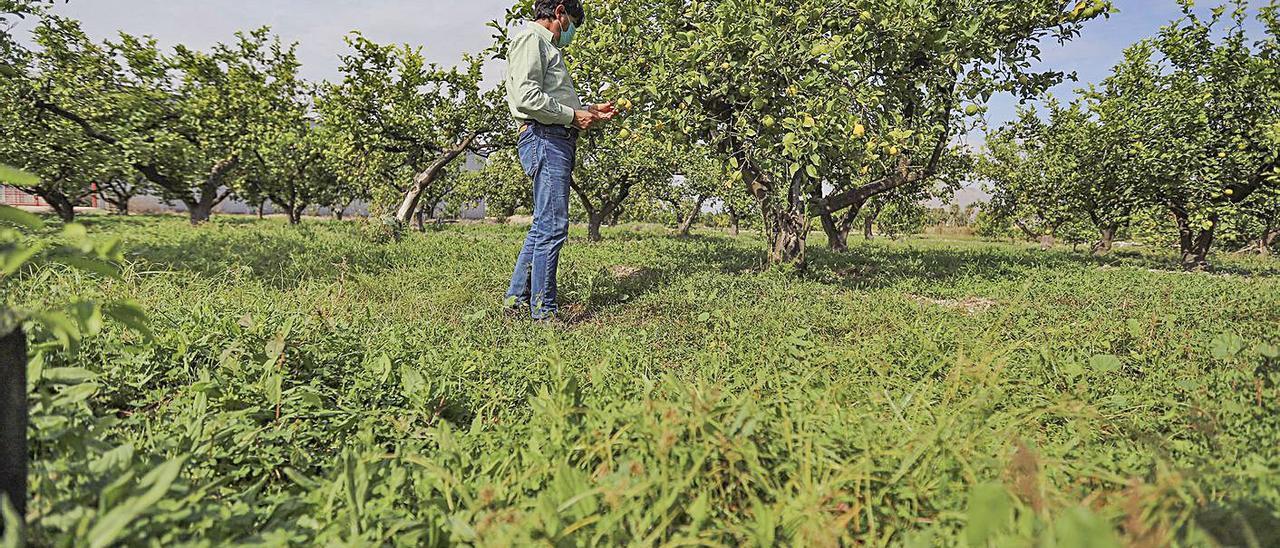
<point x="530" y="152"/>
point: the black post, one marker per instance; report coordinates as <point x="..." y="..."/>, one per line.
<point x="13" y="420"/>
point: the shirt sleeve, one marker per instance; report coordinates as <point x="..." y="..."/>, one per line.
<point x="526" y="65"/>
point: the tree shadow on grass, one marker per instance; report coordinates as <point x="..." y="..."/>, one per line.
<point x="876" y="266"/>
<point x="1222" y="264"/>
<point x="282" y="256"/>
<point x="1241" y="523"/>
<point x="279" y="260"/>
<point x="608" y="288"/>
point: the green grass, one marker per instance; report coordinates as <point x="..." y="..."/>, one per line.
<point x="306" y="386"/>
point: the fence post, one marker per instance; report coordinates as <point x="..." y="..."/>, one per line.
<point x="13" y="419"/>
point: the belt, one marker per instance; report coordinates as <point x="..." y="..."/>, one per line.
<point x="573" y="131"/>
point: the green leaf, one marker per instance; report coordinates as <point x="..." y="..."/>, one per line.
<point x="13" y="524"/>
<point x="411" y="381"/>
<point x="19" y="217"/>
<point x="276" y="346"/>
<point x="301" y="479"/>
<point x="17" y="177"/>
<point x="1080" y="528"/>
<point x="130" y="314"/>
<point x="114" y="460"/>
<point x="35" y="369"/>
<point x="75" y="394"/>
<point x="60" y="326"/>
<point x="1226" y="346"/>
<point x="75" y="231"/>
<point x="382" y="366"/>
<point x="990" y="513"/>
<point x="1105" y="363"/>
<point x="89" y="264"/>
<point x="272" y="387"/>
<point x="108" y="528"/>
<point x="12" y="260"/>
<point x="68" y="375"/>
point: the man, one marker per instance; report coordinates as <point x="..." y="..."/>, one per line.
<point x="550" y="115"/>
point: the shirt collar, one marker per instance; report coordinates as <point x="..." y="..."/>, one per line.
<point x="542" y="31"/>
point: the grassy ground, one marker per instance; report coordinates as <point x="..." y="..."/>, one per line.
<point x="305" y="385"/>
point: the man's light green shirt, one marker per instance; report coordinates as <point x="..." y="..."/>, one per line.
<point x="539" y="87"/>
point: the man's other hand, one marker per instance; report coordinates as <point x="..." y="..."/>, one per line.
<point x="582" y="119"/>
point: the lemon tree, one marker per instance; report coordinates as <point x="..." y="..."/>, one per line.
<point x="1061" y="177"/>
<point x="794" y="92"/>
<point x="612" y="165"/>
<point x="402" y="121"/>
<point x="501" y="185"/>
<point x="1221" y="91"/>
<point x="1185" y="131"/>
<point x="184" y="119"/>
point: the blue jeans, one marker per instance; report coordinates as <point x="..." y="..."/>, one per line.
<point x="547" y="154"/>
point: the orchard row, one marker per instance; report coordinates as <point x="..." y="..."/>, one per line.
<point x="795" y="113"/>
<point x="1183" y="138"/>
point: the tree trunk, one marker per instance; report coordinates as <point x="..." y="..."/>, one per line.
<point x="200" y="212"/>
<point x="119" y="205"/>
<point x="786" y="223"/>
<point x="422" y="181"/>
<point x="1269" y="240"/>
<point x="687" y="224"/>
<point x="339" y="210"/>
<point x="788" y="230"/>
<point x="13" y="420"/>
<point x="419" y="219"/>
<point x="733" y="221"/>
<point x="1196" y="259"/>
<point x="262" y="206"/>
<point x="1047" y="241"/>
<point x="118" y="192"/>
<point x="1194" y="242"/>
<point x="594" y="220"/>
<point x="1262" y="245"/>
<point x="201" y="209"/>
<point x="1106" y="240"/>
<point x="61" y="204"/>
<point x="202" y="206"/>
<point x="837" y="231"/>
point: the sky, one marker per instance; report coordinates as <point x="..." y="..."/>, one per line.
<point x="448" y="28"/>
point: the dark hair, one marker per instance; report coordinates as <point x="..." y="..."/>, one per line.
<point x="546" y="9"/>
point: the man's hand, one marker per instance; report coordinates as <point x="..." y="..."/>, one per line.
<point x="603" y="111"/>
<point x="582" y="119"/>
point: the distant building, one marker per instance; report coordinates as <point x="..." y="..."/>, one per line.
<point x="16" y="197"/>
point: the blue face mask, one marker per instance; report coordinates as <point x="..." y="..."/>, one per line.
<point x="566" y="35"/>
